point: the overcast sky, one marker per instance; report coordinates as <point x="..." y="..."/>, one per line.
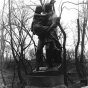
<point x="68" y="17"/>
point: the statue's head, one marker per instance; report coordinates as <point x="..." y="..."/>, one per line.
<point x="38" y="9"/>
<point x="48" y="7"/>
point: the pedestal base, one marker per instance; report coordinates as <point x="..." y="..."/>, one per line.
<point x="50" y="78"/>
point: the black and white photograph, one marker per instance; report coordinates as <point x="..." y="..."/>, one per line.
<point x="43" y="43"/>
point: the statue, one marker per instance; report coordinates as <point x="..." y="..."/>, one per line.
<point x="44" y="25"/>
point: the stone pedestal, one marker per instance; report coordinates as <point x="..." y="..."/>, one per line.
<point x="45" y="79"/>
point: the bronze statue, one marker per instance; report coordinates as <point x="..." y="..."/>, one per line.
<point x="44" y="25"/>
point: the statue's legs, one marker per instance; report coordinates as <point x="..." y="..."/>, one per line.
<point x="49" y="55"/>
<point x="57" y="49"/>
<point x="39" y="59"/>
<point x="57" y="53"/>
<point x="57" y="56"/>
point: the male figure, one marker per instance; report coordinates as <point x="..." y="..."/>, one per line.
<point x="39" y="29"/>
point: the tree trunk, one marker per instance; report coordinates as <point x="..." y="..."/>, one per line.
<point x="76" y="52"/>
<point x="82" y="59"/>
<point x="19" y="72"/>
<point x="64" y="55"/>
<point x="83" y="39"/>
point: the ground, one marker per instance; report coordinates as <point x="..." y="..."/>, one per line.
<point x="8" y="73"/>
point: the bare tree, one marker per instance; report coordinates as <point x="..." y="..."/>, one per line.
<point x="19" y="33"/>
<point x="2" y="45"/>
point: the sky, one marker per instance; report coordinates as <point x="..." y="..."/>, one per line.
<point x="1" y="4"/>
<point x="68" y="17"/>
